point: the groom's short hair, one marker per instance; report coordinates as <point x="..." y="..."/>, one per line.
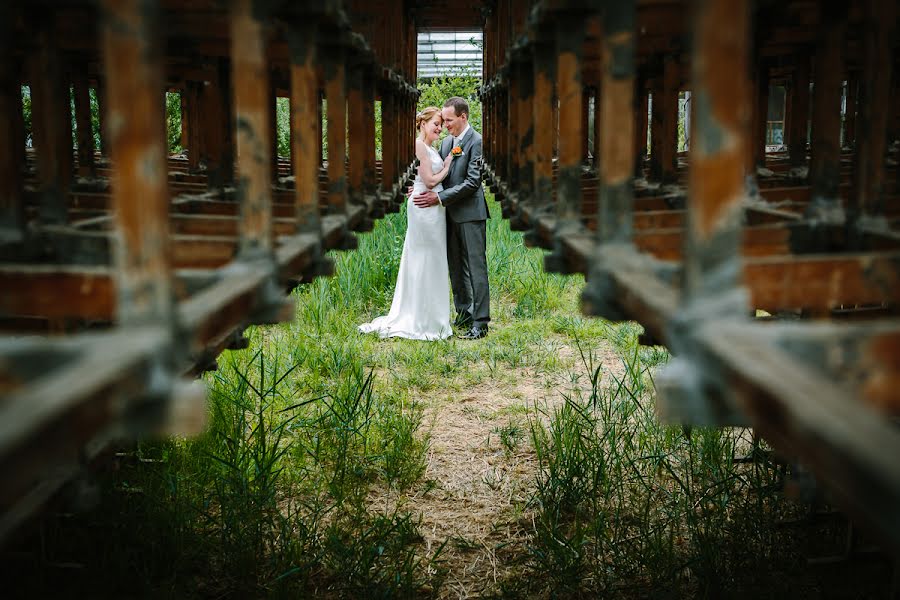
<point x="460" y="106"/>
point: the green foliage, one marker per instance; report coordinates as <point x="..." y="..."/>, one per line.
<point x="283" y="125"/>
<point x="435" y="91"/>
<point x="629" y="507"/>
<point x="173" y="122"/>
<point x="26" y="113"/>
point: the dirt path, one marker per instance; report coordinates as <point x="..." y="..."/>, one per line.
<point x="482" y="468"/>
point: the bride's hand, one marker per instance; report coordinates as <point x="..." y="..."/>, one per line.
<point x="448" y="160"/>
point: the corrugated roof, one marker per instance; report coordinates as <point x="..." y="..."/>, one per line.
<point x="450" y="52"/>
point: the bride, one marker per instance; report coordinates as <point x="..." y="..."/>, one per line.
<point x="420" y="309"/>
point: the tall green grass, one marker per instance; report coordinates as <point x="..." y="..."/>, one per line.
<point x="300" y="486"/>
<point x="628" y="507"/>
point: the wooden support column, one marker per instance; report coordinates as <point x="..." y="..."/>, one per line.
<point x="544" y="132"/>
<point x="252" y="103"/>
<point x="388" y="143"/>
<point x="597" y="133"/>
<point x="512" y="130"/>
<point x="356" y="124"/>
<point x="336" y="95"/>
<point x="216" y="124"/>
<point x="369" y="179"/>
<point x="850" y="109"/>
<point x="641" y="108"/>
<point x="306" y="121"/>
<point x="616" y="191"/>
<point x="526" y="126"/>
<point x="49" y="123"/>
<point x="102" y="118"/>
<point x="272" y="114"/>
<point x="570" y="87"/>
<point x="586" y="94"/>
<point x="761" y="115"/>
<point x="185" y="120"/>
<point x="133" y="69"/>
<point x="799" y="123"/>
<point x="825" y="150"/>
<point x="716" y="178"/>
<point x="12" y="137"/>
<point x="874" y="106"/>
<point x="86" y="167"/>
<point x="668" y="159"/>
<point x="194" y="147"/>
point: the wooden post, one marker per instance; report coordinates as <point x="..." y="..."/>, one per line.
<point x="192" y="92"/>
<point x="272" y="114"/>
<point x="140" y="195"/>
<point x="336" y="93"/>
<point x="642" y="108"/>
<point x="586" y="93"/>
<point x="512" y="131"/>
<point x="544" y="132"/>
<point x="825" y="150"/>
<point x="216" y="126"/>
<point x="252" y="103"/>
<point x="102" y="117"/>
<point x="356" y="124"/>
<point x="388" y="143"/>
<point x="306" y="121"/>
<point x="368" y="83"/>
<point x="761" y="113"/>
<point x="49" y="109"/>
<point x="597" y="132"/>
<point x="526" y="126"/>
<point x="185" y="120"/>
<point x="799" y="124"/>
<point x="716" y="177"/>
<point x="669" y="108"/>
<point x="83" y="120"/>
<point x="616" y="192"/>
<point x="12" y="133"/>
<point x="850" y="109"/>
<point x="874" y="99"/>
<point x="569" y="48"/>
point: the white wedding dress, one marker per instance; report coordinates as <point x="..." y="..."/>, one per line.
<point x="420" y="309"/>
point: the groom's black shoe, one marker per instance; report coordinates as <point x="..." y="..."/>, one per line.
<point x="463" y="321"/>
<point x="476" y="333"/>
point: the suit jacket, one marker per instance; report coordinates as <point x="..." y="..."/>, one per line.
<point x="463" y="195"/>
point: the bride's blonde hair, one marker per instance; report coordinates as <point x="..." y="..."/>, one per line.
<point x="425" y="115"/>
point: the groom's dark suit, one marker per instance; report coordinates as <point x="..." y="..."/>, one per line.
<point x="467" y="214"/>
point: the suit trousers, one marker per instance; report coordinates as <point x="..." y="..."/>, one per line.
<point x="467" y="261"/>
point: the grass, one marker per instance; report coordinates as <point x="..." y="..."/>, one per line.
<point x="307" y="480"/>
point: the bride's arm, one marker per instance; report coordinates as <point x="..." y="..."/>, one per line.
<point x="429" y="178"/>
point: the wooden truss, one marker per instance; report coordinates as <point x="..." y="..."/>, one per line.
<point x="167" y="259"/>
<point x="694" y="245"/>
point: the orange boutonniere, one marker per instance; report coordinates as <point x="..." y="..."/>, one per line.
<point x="456" y="151"/>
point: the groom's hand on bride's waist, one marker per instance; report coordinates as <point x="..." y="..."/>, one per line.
<point x="426" y="199"/>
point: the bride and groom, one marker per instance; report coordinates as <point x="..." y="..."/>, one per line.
<point x="445" y="236"/>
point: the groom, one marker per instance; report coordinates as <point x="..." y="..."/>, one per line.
<point x="467" y="215"/>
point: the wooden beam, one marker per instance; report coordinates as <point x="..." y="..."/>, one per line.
<point x="12" y="138"/>
<point x="252" y="102"/>
<point x="336" y="93"/>
<point x="306" y="138"/>
<point x="86" y="167"/>
<point x="716" y="176"/>
<point x="133" y="68"/>
<point x="799" y="123"/>
<point x="825" y="149"/>
<point x="874" y="104"/>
